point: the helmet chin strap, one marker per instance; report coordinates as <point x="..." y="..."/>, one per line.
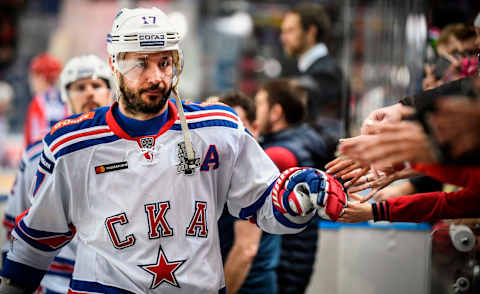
<point x="186" y="133"/>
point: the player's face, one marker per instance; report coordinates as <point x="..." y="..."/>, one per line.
<point x="88" y="94"/>
<point x="262" y="106"/>
<point x="145" y="81"/>
<point x="293" y="36"/>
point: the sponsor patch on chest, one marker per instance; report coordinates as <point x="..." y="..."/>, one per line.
<point x="100" y="169"/>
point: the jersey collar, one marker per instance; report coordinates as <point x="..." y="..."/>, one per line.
<point x="117" y="130"/>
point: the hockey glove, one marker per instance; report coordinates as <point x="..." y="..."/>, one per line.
<point x="329" y="197"/>
<point x="300" y="190"/>
<point x="285" y="199"/>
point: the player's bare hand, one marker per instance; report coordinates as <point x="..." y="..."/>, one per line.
<point x="356" y="212"/>
<point x="377" y="181"/>
<point x="341" y="166"/>
<point x="390" y="114"/>
<point x="392" y="145"/>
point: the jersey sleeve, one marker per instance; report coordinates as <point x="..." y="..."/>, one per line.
<point x="16" y="201"/>
<point x="45" y="228"/>
<point x="428" y="207"/>
<point x="19" y="198"/>
<point x="252" y="183"/>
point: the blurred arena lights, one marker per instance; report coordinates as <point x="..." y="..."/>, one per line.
<point x="238" y="24"/>
<point x="180" y="20"/>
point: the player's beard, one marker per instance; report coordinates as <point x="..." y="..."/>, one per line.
<point x="133" y="99"/>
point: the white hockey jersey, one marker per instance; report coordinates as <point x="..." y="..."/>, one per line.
<point x="144" y="223"/>
<point x="57" y="279"/>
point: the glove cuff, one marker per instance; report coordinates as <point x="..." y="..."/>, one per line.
<point x="279" y="193"/>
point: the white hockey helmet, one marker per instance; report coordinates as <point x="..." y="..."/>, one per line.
<point x="81" y="67"/>
<point x="144" y="30"/>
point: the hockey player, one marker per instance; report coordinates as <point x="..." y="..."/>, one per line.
<point x="46" y="107"/>
<point x="85" y="85"/>
<point x="143" y="182"/>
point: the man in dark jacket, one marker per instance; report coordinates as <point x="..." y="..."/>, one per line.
<point x="288" y="142"/>
<point x="304" y="34"/>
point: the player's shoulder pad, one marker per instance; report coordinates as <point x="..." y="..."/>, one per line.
<point x="77" y="123"/>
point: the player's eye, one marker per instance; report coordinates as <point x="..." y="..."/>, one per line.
<point x="141" y="63"/>
<point x="80" y="88"/>
<point x="164" y="63"/>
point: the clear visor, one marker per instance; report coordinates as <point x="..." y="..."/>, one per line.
<point x="161" y="65"/>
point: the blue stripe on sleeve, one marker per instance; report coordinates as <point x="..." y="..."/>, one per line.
<point x="30" y="235"/>
<point x="191" y="107"/>
<point x="59" y="274"/>
<point x="21" y="166"/>
<point x="207" y="123"/>
<point x="252" y="209"/>
<point x="78" y="285"/>
<point x="63" y="260"/>
<point x="29" y="147"/>
<point x="48" y="291"/>
<point x="10" y="218"/>
<point x="35" y="156"/>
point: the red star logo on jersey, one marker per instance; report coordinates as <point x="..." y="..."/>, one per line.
<point x="163" y="270"/>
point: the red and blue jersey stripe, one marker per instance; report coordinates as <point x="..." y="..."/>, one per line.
<point x="42" y="240"/>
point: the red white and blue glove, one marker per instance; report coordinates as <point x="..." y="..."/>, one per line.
<point x="300" y="190"/>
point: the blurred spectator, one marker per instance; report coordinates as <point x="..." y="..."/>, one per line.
<point x="456" y="56"/>
<point x="447" y="43"/>
<point x="476" y="25"/>
<point x="6" y="95"/>
<point x="305" y="31"/>
<point x="288" y="142"/>
<point x="46" y="107"/>
<point x="250" y="257"/>
<point x="244" y="106"/>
